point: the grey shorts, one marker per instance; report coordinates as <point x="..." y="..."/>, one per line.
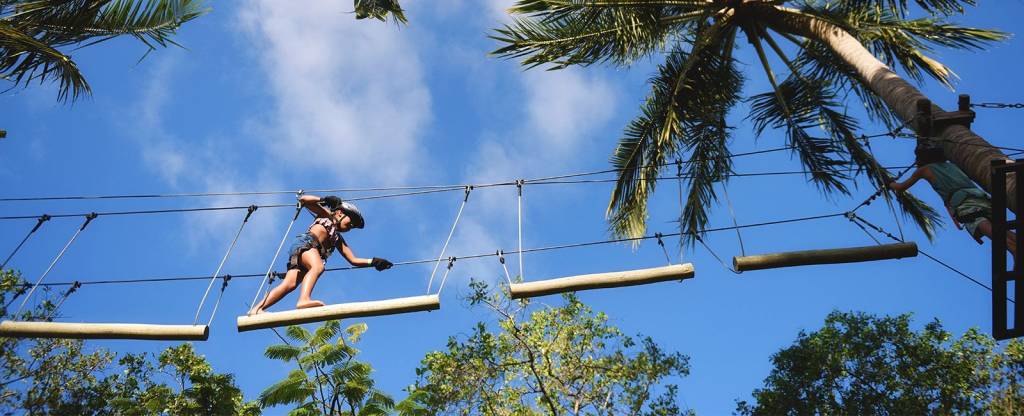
<point x="972" y="212"/>
<point x="302" y="244"/>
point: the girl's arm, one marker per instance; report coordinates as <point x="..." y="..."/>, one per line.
<point x="377" y="263"/>
<point x="916" y="176"/>
<point x="312" y="203"/>
<point x="955" y="222"/>
<point x="351" y="257"/>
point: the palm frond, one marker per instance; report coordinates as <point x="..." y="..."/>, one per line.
<point x="58" y="23"/>
<point x="902" y="7"/>
<point x="821" y="157"/>
<point x="24" y="59"/>
<point x="908" y="43"/>
<point x="380" y="10"/>
<point x="692" y="91"/>
<point x="583" y="32"/>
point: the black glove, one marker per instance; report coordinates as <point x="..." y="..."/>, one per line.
<point x="331" y="202"/>
<point x="380" y="264"/>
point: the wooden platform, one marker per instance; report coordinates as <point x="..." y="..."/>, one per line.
<point x="69" y="330"/>
<point x="828" y="256"/>
<point x="339" y="311"/>
<point x="601" y="281"/>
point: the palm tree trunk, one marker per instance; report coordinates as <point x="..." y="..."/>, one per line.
<point x="962" y="146"/>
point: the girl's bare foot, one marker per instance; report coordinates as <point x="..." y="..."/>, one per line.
<point x="309" y="304"/>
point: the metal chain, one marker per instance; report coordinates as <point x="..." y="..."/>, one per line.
<point x="998" y="105"/>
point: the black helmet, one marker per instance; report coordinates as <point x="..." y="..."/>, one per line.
<point x="352" y="211"/>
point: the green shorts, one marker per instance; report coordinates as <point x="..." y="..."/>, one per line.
<point x="972" y="212"/>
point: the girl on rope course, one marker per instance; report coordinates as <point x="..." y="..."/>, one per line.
<point x="967" y="205"/>
<point x="309" y="254"/>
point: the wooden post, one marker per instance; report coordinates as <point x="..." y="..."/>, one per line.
<point x="71" y="330"/>
<point x="601" y="280"/>
<point x="339" y="311"/>
<point x="828" y="256"/>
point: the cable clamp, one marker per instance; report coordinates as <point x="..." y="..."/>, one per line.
<point x="658" y="236"/>
<point x="252" y="208"/>
<point x="501" y="256"/>
<point x="451" y="262"/>
<point x="679" y="167"/>
<point x="224" y="285"/>
<point x="850" y="215"/>
<point x="88" y="219"/>
<point x="73" y="288"/>
<point x="40" y="221"/>
<point x="469" y="188"/>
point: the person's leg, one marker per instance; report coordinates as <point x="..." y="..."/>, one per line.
<point x="311" y="261"/>
<point x="285" y="287"/>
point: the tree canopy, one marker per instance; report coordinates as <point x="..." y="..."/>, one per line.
<point x="864" y="364"/>
<point x="553" y="360"/>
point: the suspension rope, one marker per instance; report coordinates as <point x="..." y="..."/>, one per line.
<point x="223" y="260"/>
<point x="273" y="260"/>
<point x="88" y="219"/>
<point x="882" y="231"/>
<point x="715" y="255"/>
<point x="63" y="298"/>
<point x="458" y="216"/>
<point x="663" y="249"/>
<point x="41" y="220"/>
<point x="220" y="295"/>
<point x="888" y="199"/>
<point x="852" y="217"/>
<point x="679" y="179"/>
<point x="519" y="217"/>
<point x="451" y="263"/>
<point x="429" y="188"/>
<point x="467" y="257"/>
<point x="501" y="259"/>
<point x="725" y="191"/>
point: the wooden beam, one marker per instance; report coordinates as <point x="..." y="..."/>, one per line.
<point x="828" y="256"/>
<point x="601" y="280"/>
<point x="71" y="330"/>
<point x="339" y="311"/>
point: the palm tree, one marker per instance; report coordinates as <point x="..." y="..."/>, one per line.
<point x="329" y="381"/>
<point x="835" y="44"/>
<point x="35" y="35"/>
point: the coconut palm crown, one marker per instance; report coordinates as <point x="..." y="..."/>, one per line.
<point x="828" y="49"/>
<point x="36" y="35"/>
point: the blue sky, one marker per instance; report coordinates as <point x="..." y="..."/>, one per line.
<point x="272" y="96"/>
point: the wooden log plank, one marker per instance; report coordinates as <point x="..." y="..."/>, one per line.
<point x="601" y="280"/>
<point x="827" y="256"/>
<point x="339" y="311"/>
<point x="72" y="330"/>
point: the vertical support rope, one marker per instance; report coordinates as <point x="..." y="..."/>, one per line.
<point x="679" y="179"/>
<point x="252" y="209"/>
<point x="725" y="191"/>
<point x="270" y="268"/>
<point x="663" y="249"/>
<point x="216" y="305"/>
<point x="501" y="259"/>
<point x="519" y="216"/>
<point x="451" y="263"/>
<point x="449" y="239"/>
<point x="39" y="223"/>
<point x="67" y="294"/>
<point x="88" y="219"/>
<point x="888" y="199"/>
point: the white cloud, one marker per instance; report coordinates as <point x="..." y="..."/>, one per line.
<point x="349" y="94"/>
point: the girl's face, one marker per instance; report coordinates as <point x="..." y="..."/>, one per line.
<point x="343" y="221"/>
